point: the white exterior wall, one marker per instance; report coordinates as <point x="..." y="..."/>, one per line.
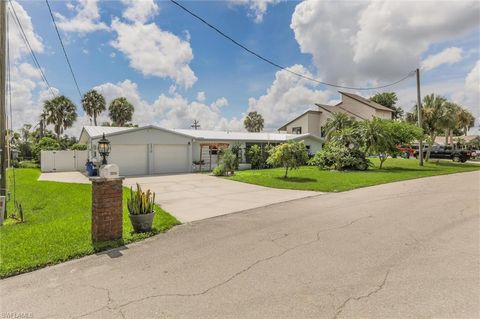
<point x="365" y="111"/>
<point x="63" y="161"/>
<point x="300" y="122"/>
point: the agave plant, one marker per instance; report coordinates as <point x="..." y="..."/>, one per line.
<point x="140" y="202"/>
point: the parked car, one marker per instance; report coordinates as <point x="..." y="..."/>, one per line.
<point x="406" y="150"/>
<point x="446" y="152"/>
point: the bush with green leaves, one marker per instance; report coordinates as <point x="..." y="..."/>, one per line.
<point x="45" y="144"/>
<point x="78" y="147"/>
<point x="218" y="171"/>
<point x="289" y="155"/>
<point x="256" y="157"/>
<point x="343" y="151"/>
<point x="237" y="151"/>
<point x="228" y="161"/>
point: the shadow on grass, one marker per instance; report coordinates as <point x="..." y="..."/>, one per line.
<point x="296" y="179"/>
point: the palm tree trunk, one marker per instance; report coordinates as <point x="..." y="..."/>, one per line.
<point x="95" y="119"/>
<point x="430" y="144"/>
<point x="451" y="137"/>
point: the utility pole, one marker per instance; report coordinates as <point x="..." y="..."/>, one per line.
<point x="196" y="124"/>
<point x="3" y="122"/>
<point x="420" y="123"/>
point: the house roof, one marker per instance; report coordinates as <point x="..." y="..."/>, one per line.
<point x="365" y="101"/>
<point x="98" y="131"/>
<point x="337" y="108"/>
<point x="241" y="136"/>
<point x="308" y="111"/>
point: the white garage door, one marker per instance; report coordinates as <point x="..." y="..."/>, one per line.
<point x="170" y="159"/>
<point x="131" y="159"/>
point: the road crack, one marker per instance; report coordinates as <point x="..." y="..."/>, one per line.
<point x="366" y="296"/>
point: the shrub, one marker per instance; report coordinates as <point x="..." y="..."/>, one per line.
<point x="27" y="164"/>
<point x="218" y="171"/>
<point x="340" y="157"/>
<point x="78" y="147"/>
<point x="228" y="161"/>
<point x="45" y="144"/>
<point x="256" y="157"/>
<point x="289" y="155"/>
<point x="237" y="151"/>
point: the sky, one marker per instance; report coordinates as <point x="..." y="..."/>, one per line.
<point x="174" y="69"/>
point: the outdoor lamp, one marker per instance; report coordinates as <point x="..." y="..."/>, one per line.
<point x="104" y="148"/>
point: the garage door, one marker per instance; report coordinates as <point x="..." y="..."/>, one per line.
<point x="170" y="159"/>
<point x="131" y="159"/>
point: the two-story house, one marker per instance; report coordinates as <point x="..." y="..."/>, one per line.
<point x="313" y="121"/>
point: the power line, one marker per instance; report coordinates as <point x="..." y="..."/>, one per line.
<point x="11" y="9"/>
<point x="280" y="66"/>
<point x="64" y="51"/>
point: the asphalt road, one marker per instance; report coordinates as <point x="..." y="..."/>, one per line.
<point x="402" y="250"/>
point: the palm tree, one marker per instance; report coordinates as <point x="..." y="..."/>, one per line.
<point x="253" y="122"/>
<point x="433" y="113"/>
<point x="61" y="112"/>
<point x="120" y="111"/>
<point x="93" y="104"/>
<point x="389" y="99"/>
<point x="466" y="120"/>
<point x="373" y="133"/>
<point x="337" y="122"/>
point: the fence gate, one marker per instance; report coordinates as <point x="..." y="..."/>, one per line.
<point x="63" y="161"/>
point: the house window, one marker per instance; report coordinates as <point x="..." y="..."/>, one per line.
<point x="297" y="130"/>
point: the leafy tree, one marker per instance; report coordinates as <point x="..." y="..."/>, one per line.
<point x="289" y="155"/>
<point x="449" y="121"/>
<point x="338" y="122"/>
<point x="466" y="120"/>
<point x="389" y="99"/>
<point x="253" y="122"/>
<point x="93" y="103"/>
<point x="120" y="111"/>
<point x="45" y="144"/>
<point x="61" y="112"/>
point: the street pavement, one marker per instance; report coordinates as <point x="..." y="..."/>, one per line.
<point x="402" y="250"/>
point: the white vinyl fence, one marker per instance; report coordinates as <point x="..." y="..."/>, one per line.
<point x="63" y="161"/>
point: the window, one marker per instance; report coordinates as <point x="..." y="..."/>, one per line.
<point x="297" y="130"/>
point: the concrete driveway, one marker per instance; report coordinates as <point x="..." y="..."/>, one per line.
<point x="409" y="249"/>
<point x="191" y="197"/>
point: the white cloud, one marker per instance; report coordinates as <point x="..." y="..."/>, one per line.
<point x="201" y="96"/>
<point x="447" y="56"/>
<point x="258" y="8"/>
<point x="287" y="97"/>
<point x="376" y="41"/>
<point x="169" y="110"/>
<point x="140" y="11"/>
<point x="87" y="18"/>
<point x="155" y="52"/>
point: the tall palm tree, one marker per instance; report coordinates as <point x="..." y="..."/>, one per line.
<point x="433" y="112"/>
<point x="449" y="120"/>
<point x="120" y="111"/>
<point x="93" y="104"/>
<point x="337" y="122"/>
<point x="61" y="112"/>
<point x="466" y="120"/>
<point x="253" y="122"/>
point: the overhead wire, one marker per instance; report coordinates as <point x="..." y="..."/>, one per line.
<point x="277" y="65"/>
<point x="63" y="48"/>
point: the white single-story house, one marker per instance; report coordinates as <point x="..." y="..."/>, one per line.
<point x="156" y="150"/>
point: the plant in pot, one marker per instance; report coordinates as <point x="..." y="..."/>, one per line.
<point x="141" y="209"/>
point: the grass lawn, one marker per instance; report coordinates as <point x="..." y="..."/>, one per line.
<point x="312" y="178"/>
<point x="57" y="224"/>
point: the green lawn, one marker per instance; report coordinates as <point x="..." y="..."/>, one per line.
<point x="57" y="224"/>
<point x="312" y="178"/>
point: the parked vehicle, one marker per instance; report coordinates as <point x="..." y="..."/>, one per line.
<point x="446" y="152"/>
<point x="406" y="150"/>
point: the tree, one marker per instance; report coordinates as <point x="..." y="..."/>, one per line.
<point x="45" y="144"/>
<point x="388" y="99"/>
<point x="120" y="111"/>
<point x="61" y="112"/>
<point x="228" y="161"/>
<point x="466" y="120"/>
<point x="449" y="121"/>
<point x="93" y="103"/>
<point x="338" y="122"/>
<point x="255" y="155"/>
<point x="289" y="155"/>
<point x="253" y="122"/>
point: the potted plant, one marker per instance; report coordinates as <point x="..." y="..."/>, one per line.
<point x="141" y="209"/>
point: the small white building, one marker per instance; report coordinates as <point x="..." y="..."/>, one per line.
<point x="154" y="150"/>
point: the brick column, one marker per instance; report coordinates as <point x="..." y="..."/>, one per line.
<point x="107" y="208"/>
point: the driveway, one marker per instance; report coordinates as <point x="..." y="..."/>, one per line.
<point x="409" y="249"/>
<point x="191" y="197"/>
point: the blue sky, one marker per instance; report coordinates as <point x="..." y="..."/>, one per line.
<point x="359" y="44"/>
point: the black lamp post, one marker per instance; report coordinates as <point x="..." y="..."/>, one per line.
<point x="104" y="148"/>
